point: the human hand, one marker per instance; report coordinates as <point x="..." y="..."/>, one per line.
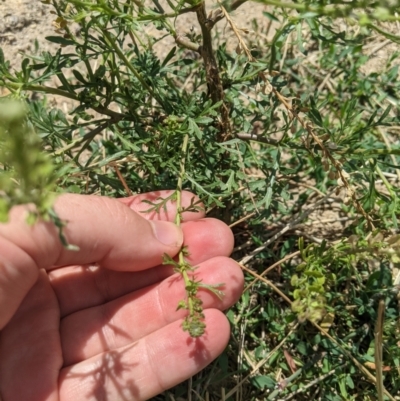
<point x="101" y="323"/>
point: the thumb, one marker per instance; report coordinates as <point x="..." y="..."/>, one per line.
<point x="106" y="231"/>
<point x="113" y="235"/>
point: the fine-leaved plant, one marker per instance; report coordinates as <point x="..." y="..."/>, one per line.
<point x="284" y="129"/>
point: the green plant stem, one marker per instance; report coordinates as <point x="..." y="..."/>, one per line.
<point x="87" y="137"/>
<point x="58" y="92"/>
<point x="178" y="218"/>
<point x="152" y="17"/>
<point x="386" y="183"/>
<point x="131" y="68"/>
<point x="194" y="320"/>
<point x="378" y="350"/>
<point x="343" y="9"/>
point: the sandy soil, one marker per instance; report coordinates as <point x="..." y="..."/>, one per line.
<point x="21" y="23"/>
<point x="24" y="21"/>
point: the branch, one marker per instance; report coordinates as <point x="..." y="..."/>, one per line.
<point x="164" y="15"/>
<point x="128" y="64"/>
<point x="87" y="137"/>
<point x="214" y="83"/>
<point x="59" y="92"/>
<point x="187" y="44"/>
<point x="257" y="138"/>
<point x="218" y="15"/>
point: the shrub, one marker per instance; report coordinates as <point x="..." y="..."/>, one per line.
<point x="272" y="135"/>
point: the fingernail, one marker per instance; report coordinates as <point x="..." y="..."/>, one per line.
<point x="167" y="233"/>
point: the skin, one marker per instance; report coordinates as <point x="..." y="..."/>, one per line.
<point x="101" y="323"/>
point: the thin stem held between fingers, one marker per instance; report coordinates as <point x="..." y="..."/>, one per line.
<point x="193" y="322"/>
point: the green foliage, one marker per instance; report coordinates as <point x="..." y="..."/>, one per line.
<point x="26" y="173"/>
<point x="272" y="136"/>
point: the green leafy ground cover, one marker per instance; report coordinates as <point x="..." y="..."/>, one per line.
<point x="292" y="141"/>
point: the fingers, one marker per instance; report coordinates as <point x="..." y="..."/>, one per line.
<point x="99" y="226"/>
<point x="18" y="273"/>
<point x="143" y="369"/>
<point x="127" y="319"/>
<point x="139" y="203"/>
<point x="80" y="287"/>
<point x="113" y="235"/>
<point x="106" y="231"/>
<point x="30" y="348"/>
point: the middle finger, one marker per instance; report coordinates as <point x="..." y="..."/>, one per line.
<point x="133" y="316"/>
<point x="80" y="287"/>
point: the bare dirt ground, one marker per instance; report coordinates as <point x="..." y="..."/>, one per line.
<point x="24" y="21"/>
<point x="21" y="22"/>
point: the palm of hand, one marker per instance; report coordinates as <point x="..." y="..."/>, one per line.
<point x="84" y="332"/>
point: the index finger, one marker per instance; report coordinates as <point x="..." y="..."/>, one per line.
<point x="144" y="204"/>
<point x="106" y="231"/>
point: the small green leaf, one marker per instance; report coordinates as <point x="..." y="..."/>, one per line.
<point x="263" y="382"/>
<point x="79" y="76"/>
<point x="60" y="40"/>
<point x="194" y="129"/>
<point x="204" y="120"/>
<point x="270" y="16"/>
<point x="169" y="56"/>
